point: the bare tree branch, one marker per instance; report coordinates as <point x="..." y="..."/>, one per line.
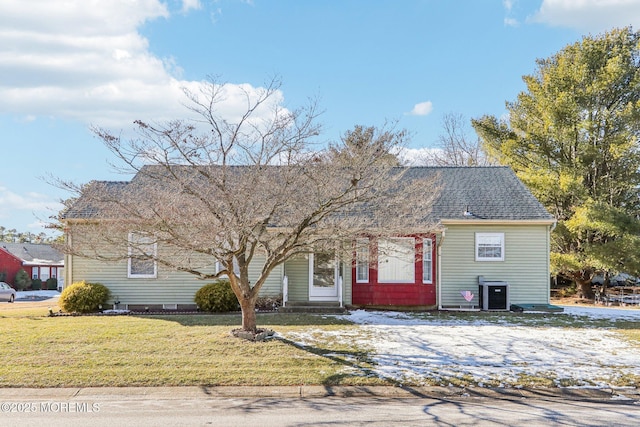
<point x="223" y="190"/>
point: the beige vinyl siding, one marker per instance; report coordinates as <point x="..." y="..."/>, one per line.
<point x="170" y="287"/>
<point x="525" y="266"/>
<point x="297" y="271"/>
<point x="273" y="285"/>
<point x="347" y="284"/>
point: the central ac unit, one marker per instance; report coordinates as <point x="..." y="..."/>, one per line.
<point x="494" y="296"/>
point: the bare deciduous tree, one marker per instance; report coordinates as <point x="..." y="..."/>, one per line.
<point x="225" y="191"/>
<point x="455" y="147"/>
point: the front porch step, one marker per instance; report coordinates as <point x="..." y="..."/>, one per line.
<point x="326" y="307"/>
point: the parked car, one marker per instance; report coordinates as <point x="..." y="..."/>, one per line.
<point x="7" y="293"/>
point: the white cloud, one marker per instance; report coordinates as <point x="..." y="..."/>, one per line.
<point x="417" y="156"/>
<point x="511" y="22"/>
<point x="589" y="15"/>
<point x="188" y="5"/>
<point x="86" y="60"/>
<point x="38" y="206"/>
<point x="421" y="109"/>
<point x="32" y="201"/>
<point x="508" y="4"/>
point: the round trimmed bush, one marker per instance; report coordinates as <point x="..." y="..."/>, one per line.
<point x="36" y="284"/>
<point x="83" y="297"/>
<point x="52" y="283"/>
<point x="217" y="297"/>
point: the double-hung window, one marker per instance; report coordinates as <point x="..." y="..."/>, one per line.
<point x="362" y="260"/>
<point x="142" y="256"/>
<point x="427" y="262"/>
<point x="489" y="246"/>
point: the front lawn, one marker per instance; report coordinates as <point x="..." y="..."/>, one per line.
<point x="42" y="351"/>
<point x="429" y="348"/>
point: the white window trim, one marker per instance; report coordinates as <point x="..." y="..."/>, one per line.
<point x="362" y="248"/>
<point x="382" y="257"/>
<point x="427" y="243"/>
<point x="155" y="263"/>
<point x="483" y="236"/>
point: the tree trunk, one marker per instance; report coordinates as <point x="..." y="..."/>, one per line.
<point x="248" y="307"/>
<point x="584" y="289"/>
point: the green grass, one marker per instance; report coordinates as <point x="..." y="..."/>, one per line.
<point x="81" y="351"/>
<point x="42" y="351"/>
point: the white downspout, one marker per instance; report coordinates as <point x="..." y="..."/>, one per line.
<point x="285" y="291"/>
<point x="551" y="228"/>
<point x="340" y="273"/>
<point x="68" y="269"/>
<point x="439" y="272"/>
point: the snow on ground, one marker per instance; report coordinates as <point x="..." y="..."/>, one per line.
<point x="618" y="313"/>
<point x="419" y="349"/>
<point x="36" y="295"/>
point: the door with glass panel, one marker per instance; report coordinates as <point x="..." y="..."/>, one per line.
<point x="323" y="277"/>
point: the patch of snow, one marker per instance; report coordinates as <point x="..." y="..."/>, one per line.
<point x="621" y="397"/>
<point x="422" y="348"/>
<point x="29" y="295"/>
<point x="38" y="261"/>
<point x="621" y="313"/>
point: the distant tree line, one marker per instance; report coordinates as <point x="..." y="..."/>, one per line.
<point x="14" y="236"/>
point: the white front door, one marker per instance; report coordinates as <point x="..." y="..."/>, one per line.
<point x="323" y="277"/>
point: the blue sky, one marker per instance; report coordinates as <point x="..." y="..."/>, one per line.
<point x="68" y="65"/>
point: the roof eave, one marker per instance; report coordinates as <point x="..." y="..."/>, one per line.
<point x="497" y="221"/>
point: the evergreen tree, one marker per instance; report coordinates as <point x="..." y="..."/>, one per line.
<point x="572" y="137"/>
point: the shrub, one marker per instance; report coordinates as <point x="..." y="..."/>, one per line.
<point x="82" y="297"/>
<point x="22" y="280"/>
<point x="52" y="283"/>
<point x="36" y="284"/>
<point x="269" y="303"/>
<point x="216" y="297"/>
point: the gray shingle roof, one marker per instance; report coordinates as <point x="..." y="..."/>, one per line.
<point x="33" y="253"/>
<point x="490" y="193"/>
<point x="466" y="193"/>
<point x="84" y="209"/>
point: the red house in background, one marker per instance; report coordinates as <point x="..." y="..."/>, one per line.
<point x="39" y="261"/>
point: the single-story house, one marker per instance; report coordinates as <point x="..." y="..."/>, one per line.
<point x="490" y="249"/>
<point x="40" y="261"/>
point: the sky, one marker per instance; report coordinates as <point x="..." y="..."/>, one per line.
<point x="67" y="66"/>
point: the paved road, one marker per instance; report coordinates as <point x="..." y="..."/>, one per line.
<point x="193" y="406"/>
